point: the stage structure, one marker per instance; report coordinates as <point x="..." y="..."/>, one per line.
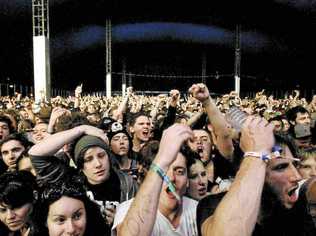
<point x="237" y="60"/>
<point x="108" y="59"/>
<point x="41" y="57"/>
<point x="123" y="76"/>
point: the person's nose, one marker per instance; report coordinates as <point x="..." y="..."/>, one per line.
<point x="69" y="227"/>
<point x="97" y="162"/>
<point x="295" y="176"/>
<point x="313" y="171"/>
<point x="201" y="180"/>
<point x="11" y="155"/>
<point x="171" y="176"/>
<point x="199" y="141"/>
<point x="10" y="214"/>
<point x="121" y="141"/>
<point x="307" y="120"/>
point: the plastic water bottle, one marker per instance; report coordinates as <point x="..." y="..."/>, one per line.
<point x="236" y="117"/>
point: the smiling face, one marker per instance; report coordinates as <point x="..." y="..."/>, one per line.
<point x="15" y="218"/>
<point x="197" y="181"/>
<point x="282" y="177"/>
<point x="40" y="132"/>
<point x="96" y="166"/>
<point x="67" y="216"/>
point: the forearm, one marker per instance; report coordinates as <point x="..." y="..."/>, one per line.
<point x="194" y="118"/>
<point x="77" y="102"/>
<point x="123" y="105"/>
<point x="141" y="216"/>
<point x="220" y="126"/>
<point x="50" y="145"/>
<point x="216" y="117"/>
<point x="239" y="208"/>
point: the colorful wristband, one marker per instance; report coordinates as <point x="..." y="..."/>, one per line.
<point x="165" y="178"/>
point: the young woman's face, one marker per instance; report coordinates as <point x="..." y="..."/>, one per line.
<point x="67" y="216"/>
<point x="14" y="218"/>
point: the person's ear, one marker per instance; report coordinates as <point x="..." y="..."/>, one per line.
<point x="131" y="130"/>
<point x="292" y="122"/>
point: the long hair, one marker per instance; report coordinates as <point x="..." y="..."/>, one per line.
<point x="72" y="189"/>
<point x="17" y="188"/>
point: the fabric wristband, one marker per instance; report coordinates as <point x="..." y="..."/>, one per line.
<point x="165" y="178"/>
<point x="259" y="155"/>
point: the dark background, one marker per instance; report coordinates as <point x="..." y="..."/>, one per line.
<point x="157" y="38"/>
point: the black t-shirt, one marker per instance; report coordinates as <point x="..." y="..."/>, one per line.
<point x="3" y="166"/>
<point x="223" y="168"/>
<point x="109" y="190"/>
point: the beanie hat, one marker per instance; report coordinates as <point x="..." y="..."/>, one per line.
<point x="105" y="123"/>
<point x="84" y="143"/>
<point x="117" y="128"/>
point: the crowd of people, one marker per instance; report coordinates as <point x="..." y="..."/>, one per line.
<point x="171" y="164"/>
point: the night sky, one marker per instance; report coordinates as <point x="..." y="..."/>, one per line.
<point x="278" y="43"/>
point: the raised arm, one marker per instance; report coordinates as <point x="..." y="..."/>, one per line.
<point x="53" y="143"/>
<point x="223" y="139"/>
<point x="238" y="211"/>
<point x="141" y="216"/>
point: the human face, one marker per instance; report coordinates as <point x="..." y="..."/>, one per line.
<point x="26" y="164"/>
<point x="24" y="114"/>
<point x="286" y="125"/>
<point x="40" y="132"/>
<point x="307" y="167"/>
<point x="15" y="218"/>
<point x="4" y="130"/>
<point x="11" y="151"/>
<point x="197" y="181"/>
<point x="177" y="173"/>
<point x="303" y="118"/>
<point x="96" y="166"/>
<point x="91" y="109"/>
<point x="277" y="125"/>
<point x="201" y="144"/>
<point x="141" y="129"/>
<point x="282" y="177"/>
<point x="120" y="144"/>
<point x="67" y="216"/>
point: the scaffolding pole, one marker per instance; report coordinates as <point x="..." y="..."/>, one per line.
<point x="41" y="58"/>
<point x="108" y="60"/>
<point x="237" y="59"/>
